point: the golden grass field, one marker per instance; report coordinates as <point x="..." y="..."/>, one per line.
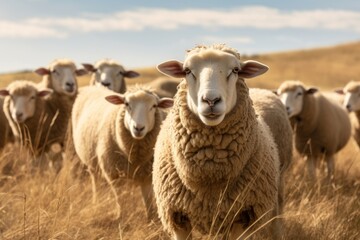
<point x="56" y="206"/>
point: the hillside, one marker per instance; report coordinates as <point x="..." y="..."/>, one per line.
<point x="328" y="67"/>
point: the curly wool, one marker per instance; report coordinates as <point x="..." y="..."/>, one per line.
<point x="212" y="174"/>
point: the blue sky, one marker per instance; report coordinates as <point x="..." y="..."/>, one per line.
<point x="145" y="33"/>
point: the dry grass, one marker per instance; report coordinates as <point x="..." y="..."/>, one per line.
<point x="50" y="206"/>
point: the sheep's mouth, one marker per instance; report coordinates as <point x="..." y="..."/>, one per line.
<point x="212" y="116"/>
<point x="70" y="89"/>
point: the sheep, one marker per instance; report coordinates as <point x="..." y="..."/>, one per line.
<point x="321" y="126"/>
<point x="5" y="131"/>
<point x="164" y="86"/>
<point x="110" y="74"/>
<point x="216" y="165"/>
<point x="351" y="102"/>
<point x="29" y="115"/>
<point x="271" y="109"/>
<point x="60" y="76"/>
<point x="117" y="133"/>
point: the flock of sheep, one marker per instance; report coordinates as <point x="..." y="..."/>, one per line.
<point x="209" y="154"/>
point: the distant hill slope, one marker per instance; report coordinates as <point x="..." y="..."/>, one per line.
<point x="328" y="67"/>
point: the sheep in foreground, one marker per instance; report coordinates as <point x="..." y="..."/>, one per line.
<point x="117" y="134"/>
<point x="272" y="110"/>
<point x="29" y="115"/>
<point x="216" y="166"/>
<point x="164" y="86"/>
<point x="352" y="104"/>
<point x="322" y="127"/>
<point x="110" y="74"/>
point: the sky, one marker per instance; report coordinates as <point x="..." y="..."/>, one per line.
<point x="144" y="33"/>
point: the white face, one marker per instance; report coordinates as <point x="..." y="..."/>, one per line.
<point x="352" y="101"/>
<point x="212" y="82"/>
<point x="140" y="114"/>
<point x="111" y="77"/>
<point x="64" y="80"/>
<point x="22" y="107"/>
<point x="293" y="101"/>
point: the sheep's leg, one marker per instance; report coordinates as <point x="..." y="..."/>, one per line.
<point x="311" y="168"/>
<point x="330" y="168"/>
<point x="115" y="188"/>
<point x="182" y="226"/>
<point x="149" y="199"/>
<point x="93" y="185"/>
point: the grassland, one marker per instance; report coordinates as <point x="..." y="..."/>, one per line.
<point x="56" y="206"/>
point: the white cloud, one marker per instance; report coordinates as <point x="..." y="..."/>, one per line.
<point x="165" y="19"/>
<point x="227" y="40"/>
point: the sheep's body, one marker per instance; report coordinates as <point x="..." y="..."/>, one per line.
<point x="36" y="132"/>
<point x="5" y="130"/>
<point x="164" y="86"/>
<point x="322" y="127"/>
<point x="215" y="176"/>
<point x="268" y="106"/>
<point x="110" y="74"/>
<point x="351" y="101"/>
<point x="102" y="141"/>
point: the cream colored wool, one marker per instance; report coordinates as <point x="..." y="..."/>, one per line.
<point x="101" y="139"/>
<point x="164" y="86"/>
<point x="5" y="131"/>
<point x="272" y="110"/>
<point x="214" y="176"/>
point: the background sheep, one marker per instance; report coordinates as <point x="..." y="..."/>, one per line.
<point x="117" y="134"/>
<point x="29" y="116"/>
<point x="164" y="86"/>
<point x="5" y="131"/>
<point x="321" y="126"/>
<point x="352" y="104"/>
<point x="61" y="76"/>
<point x="212" y="173"/>
<point x="110" y="74"/>
<point x="272" y="110"/>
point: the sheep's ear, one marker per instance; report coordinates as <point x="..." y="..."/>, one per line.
<point x="172" y="68"/>
<point x="42" y="71"/>
<point x="115" y="99"/>
<point x="250" y="69"/>
<point x="80" y="72"/>
<point x="131" y="74"/>
<point x="311" y="90"/>
<point x="89" y="67"/>
<point x="44" y="92"/>
<point x="165" y="103"/>
<point x="4" y="92"/>
<point x="339" y="91"/>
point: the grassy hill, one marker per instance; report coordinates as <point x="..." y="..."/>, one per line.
<point x="46" y="205"/>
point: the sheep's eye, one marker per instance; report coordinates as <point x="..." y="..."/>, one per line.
<point x="32" y="97"/>
<point x="187" y="71"/>
<point x="154" y="106"/>
<point x="236" y="70"/>
<point x="55" y="72"/>
<point x="299" y="94"/>
<point x="120" y="73"/>
<point x="126" y="104"/>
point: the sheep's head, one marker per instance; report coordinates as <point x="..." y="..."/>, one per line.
<point x="352" y="96"/>
<point x="292" y="95"/>
<point x="140" y="112"/>
<point x="211" y="75"/>
<point x="23" y="98"/>
<point x="110" y="74"/>
<point x="62" y="75"/>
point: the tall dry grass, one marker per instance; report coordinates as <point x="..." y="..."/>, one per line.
<point x="46" y="205"/>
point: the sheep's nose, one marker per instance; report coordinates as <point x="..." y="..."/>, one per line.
<point x="19" y="115"/>
<point x="70" y="84"/>
<point x="211" y="102"/>
<point x="139" y="128"/>
<point x="105" y="84"/>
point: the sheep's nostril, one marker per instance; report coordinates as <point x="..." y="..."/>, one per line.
<point x="348" y="106"/>
<point x="211" y="102"/>
<point x="69" y="84"/>
<point x="105" y="84"/>
<point x="139" y="129"/>
<point x="19" y="115"/>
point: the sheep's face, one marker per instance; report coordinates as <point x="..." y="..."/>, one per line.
<point x="293" y="98"/>
<point x="63" y="77"/>
<point x="23" y="101"/>
<point x="352" y="99"/>
<point x="140" y="111"/>
<point x="212" y="76"/>
<point x="110" y="76"/>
